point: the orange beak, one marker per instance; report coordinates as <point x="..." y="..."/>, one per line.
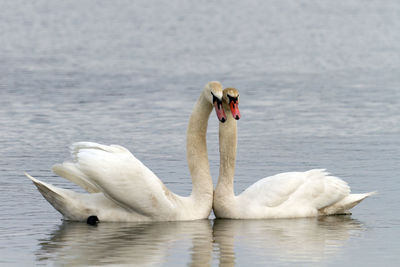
<point x="235" y="109"/>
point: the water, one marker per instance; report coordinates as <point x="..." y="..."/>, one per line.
<point x="319" y="88"/>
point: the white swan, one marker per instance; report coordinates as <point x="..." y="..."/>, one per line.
<point x="123" y="189"/>
<point x="285" y="195"/>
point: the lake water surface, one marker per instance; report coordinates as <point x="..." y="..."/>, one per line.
<point x="319" y="87"/>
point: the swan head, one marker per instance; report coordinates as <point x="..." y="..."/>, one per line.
<point x="214" y="93"/>
<point x="231" y="98"/>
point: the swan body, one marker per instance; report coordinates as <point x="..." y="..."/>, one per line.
<point x="285" y="195"/>
<point x="122" y="188"/>
<point x="290" y="195"/>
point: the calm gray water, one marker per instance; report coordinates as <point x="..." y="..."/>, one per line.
<point x="320" y="88"/>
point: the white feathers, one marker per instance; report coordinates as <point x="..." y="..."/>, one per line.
<point x="123" y="189"/>
<point x="294" y="194"/>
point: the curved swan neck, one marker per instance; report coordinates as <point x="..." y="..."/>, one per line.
<point x="196" y="149"/>
<point x="227" y="152"/>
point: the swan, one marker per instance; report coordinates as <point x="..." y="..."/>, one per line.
<point x="121" y="188"/>
<point x="285" y="195"/>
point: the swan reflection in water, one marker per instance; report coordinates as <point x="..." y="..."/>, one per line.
<point x="79" y="244"/>
<point x="304" y="240"/>
<point x="232" y="241"/>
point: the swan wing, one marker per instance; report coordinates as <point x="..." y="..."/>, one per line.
<point x="114" y="171"/>
<point x="310" y="190"/>
<point x="69" y="171"/>
<point x="272" y="191"/>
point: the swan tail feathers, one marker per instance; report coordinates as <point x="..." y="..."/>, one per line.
<point x="343" y="206"/>
<point x="69" y="171"/>
<point x="61" y="199"/>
